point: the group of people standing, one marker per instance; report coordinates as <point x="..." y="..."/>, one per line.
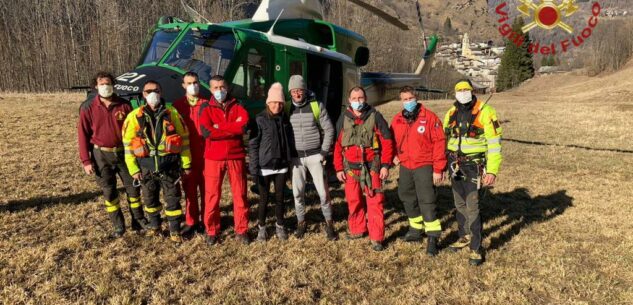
<point x="198" y="142"/>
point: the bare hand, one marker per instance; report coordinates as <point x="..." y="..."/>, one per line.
<point x="396" y="161"/>
<point x="438" y="178"/>
<point x="215" y="126"/>
<point x="238" y="120"/>
<point x="187" y="172"/>
<point x="384" y="173"/>
<point x="138" y="176"/>
<point x="89" y="169"/>
<point x="489" y="179"/>
<point x="341" y="176"/>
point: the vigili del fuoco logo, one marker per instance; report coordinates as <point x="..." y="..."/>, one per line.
<point x="548" y="15"/>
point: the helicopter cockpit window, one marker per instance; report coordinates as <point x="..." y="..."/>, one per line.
<point x="159" y="45"/>
<point x="249" y="82"/>
<point x="205" y="53"/>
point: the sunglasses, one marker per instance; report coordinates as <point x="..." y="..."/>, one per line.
<point x="152" y="90"/>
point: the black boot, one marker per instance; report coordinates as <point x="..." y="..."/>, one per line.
<point x="118" y="223"/>
<point x="138" y="219"/>
<point x="431" y="246"/>
<point x="413" y="235"/>
<point x="330" y="234"/>
<point x="301" y="229"/>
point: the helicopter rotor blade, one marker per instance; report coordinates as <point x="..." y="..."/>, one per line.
<point x="193" y="14"/>
<point x="382" y="14"/>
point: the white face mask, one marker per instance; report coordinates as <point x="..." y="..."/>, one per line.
<point x="105" y="91"/>
<point x="193" y="90"/>
<point x="464" y="97"/>
<point x="153" y="99"/>
<point x="220" y="95"/>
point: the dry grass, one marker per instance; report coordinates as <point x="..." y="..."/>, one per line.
<point x="558" y="225"/>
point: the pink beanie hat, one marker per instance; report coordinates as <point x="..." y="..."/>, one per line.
<point x="276" y="94"/>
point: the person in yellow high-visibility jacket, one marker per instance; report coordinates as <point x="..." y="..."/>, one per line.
<point x="156" y="143"/>
<point x="473" y="138"/>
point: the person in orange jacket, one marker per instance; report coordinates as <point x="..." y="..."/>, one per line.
<point x="189" y="107"/>
<point x="421" y="154"/>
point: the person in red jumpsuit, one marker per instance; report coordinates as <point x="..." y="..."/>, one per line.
<point x="223" y="123"/>
<point x="189" y="107"/>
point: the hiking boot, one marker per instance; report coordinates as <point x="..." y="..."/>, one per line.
<point x="413" y="235"/>
<point x="175" y="238"/>
<point x="117" y="234"/>
<point x="460" y="243"/>
<point x="354" y="236"/>
<point x="301" y="229"/>
<point x="211" y="240"/>
<point x="242" y="238"/>
<point x="152" y="232"/>
<point x="377" y="246"/>
<point x="475" y="258"/>
<point x="280" y="231"/>
<point x="262" y="235"/>
<point x="431" y="246"/>
<point x="330" y="234"/>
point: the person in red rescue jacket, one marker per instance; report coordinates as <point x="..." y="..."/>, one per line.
<point x="362" y="156"/>
<point x="189" y="107"/>
<point x="223" y="123"/>
<point x="420" y="147"/>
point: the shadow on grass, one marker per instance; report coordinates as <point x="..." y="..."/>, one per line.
<point x="39" y="203"/>
<point x="521" y="211"/>
<point x="517" y="208"/>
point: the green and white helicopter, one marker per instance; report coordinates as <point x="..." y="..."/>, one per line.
<point x="283" y="38"/>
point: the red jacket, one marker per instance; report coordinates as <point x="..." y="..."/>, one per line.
<point x="225" y="142"/>
<point x="191" y="116"/>
<point x="100" y="126"/>
<point x="353" y="154"/>
<point x="420" y="142"/>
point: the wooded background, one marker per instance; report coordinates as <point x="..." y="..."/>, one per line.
<point x="49" y="45"/>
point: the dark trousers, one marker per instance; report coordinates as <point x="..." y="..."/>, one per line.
<point x="151" y="185"/>
<point x="263" y="183"/>
<point x="108" y="166"/>
<point x="466" y="196"/>
<point x="417" y="193"/>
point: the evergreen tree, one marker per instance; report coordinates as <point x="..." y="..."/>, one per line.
<point x="448" y="26"/>
<point x="517" y="64"/>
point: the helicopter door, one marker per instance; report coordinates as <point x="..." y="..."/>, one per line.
<point x="294" y="65"/>
<point x="325" y="78"/>
<point x="250" y="82"/>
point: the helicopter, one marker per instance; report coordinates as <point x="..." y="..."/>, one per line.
<point x="283" y="38"/>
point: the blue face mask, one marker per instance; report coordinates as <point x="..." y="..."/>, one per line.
<point x="410" y="105"/>
<point x="356" y="105"/>
<point x="219" y="95"/>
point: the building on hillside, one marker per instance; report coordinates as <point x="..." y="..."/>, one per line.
<point x="477" y="61"/>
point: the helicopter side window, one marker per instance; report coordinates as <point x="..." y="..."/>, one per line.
<point x="249" y="82"/>
<point x="207" y="54"/>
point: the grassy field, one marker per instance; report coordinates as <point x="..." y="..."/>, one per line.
<point x="558" y="226"/>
